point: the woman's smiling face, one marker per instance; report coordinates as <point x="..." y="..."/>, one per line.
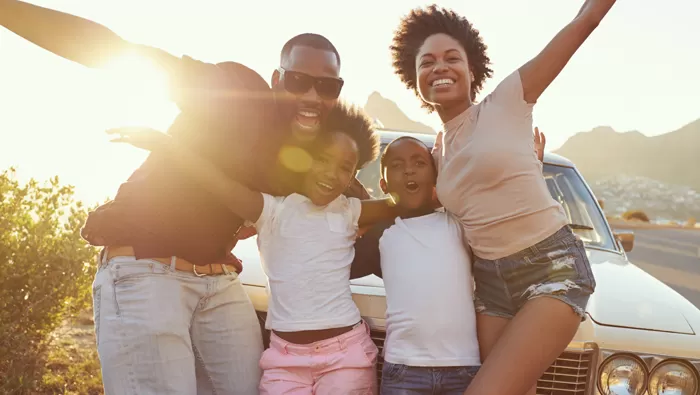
<point x="442" y="70"/>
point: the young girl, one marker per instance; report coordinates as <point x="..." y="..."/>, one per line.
<point x="319" y="342"/>
<point x="533" y="279"/>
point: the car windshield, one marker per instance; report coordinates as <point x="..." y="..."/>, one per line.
<point x="566" y="186"/>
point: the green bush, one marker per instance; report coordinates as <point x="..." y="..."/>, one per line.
<point x="72" y="365"/>
<point x="45" y="274"/>
<point x="636" y="215"/>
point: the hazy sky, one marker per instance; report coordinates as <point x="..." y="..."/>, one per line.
<point x="638" y="71"/>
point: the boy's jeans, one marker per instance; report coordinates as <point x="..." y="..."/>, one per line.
<point x="161" y="331"/>
<point x="412" y="380"/>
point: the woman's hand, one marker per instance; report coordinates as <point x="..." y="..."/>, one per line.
<point x="540" y="142"/>
<point x="140" y="137"/>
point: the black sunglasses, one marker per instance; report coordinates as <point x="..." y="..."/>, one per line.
<point x="298" y="83"/>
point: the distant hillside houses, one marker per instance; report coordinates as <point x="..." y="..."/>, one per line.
<point x="660" y="201"/>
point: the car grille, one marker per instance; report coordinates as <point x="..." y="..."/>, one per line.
<point x="568" y="375"/>
<point x="378" y="339"/>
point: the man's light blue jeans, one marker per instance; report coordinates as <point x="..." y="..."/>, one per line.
<point x="162" y="331"/>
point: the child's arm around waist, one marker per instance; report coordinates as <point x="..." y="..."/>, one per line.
<point x="375" y="211"/>
<point x="367" y="255"/>
<point x="241" y="200"/>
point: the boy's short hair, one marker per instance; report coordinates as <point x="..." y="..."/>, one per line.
<point x="382" y="160"/>
<point x="353" y="121"/>
<point x="311" y="40"/>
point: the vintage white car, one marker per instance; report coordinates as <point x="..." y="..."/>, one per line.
<point x="641" y="337"/>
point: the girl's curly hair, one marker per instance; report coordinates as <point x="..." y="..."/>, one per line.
<point x="354" y="122"/>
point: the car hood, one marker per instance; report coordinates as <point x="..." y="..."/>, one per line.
<point x="625" y="296"/>
<point x="628" y="297"/>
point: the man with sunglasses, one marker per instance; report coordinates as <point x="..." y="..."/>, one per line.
<point x="171" y="316"/>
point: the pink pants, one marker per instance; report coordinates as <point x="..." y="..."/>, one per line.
<point x="341" y="365"/>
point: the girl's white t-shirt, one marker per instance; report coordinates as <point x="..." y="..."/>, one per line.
<point x="306" y="252"/>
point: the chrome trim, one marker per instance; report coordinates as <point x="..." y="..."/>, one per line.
<point x="583" y="354"/>
<point x="378" y="337"/>
<point x="601" y="212"/>
<point x="593" y="378"/>
<point x="616" y="252"/>
<point x="568" y="374"/>
<point x="651" y="360"/>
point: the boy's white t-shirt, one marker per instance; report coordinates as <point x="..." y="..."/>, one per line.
<point x="430" y="315"/>
<point x="306" y="252"/>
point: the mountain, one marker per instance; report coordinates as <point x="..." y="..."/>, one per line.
<point x="391" y="116"/>
<point x="672" y="158"/>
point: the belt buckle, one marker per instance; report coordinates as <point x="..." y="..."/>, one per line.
<point x="194" y="270"/>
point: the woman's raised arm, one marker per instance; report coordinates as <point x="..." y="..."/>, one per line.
<point x="538" y="73"/>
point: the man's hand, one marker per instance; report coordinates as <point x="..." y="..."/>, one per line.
<point x="144" y="138"/>
<point x="540" y="142"/>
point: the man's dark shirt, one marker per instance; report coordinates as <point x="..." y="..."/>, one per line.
<point x="228" y="116"/>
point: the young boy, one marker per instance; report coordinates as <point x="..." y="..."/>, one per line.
<point x="319" y="343"/>
<point x="431" y="343"/>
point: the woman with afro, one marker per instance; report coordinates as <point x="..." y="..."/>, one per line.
<point x="532" y="277"/>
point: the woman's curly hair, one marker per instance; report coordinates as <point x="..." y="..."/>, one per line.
<point x="422" y="23"/>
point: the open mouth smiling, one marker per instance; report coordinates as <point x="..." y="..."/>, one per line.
<point x="325" y="188"/>
<point x="442" y="82"/>
<point x="308" y="119"/>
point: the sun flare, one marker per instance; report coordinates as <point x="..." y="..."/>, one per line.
<point x="138" y="93"/>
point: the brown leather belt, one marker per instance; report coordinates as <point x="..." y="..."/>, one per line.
<point x="212" y="269"/>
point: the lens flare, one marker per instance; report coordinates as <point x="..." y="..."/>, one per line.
<point x="295" y="159"/>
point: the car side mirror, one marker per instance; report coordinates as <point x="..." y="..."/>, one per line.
<point x="626" y="238"/>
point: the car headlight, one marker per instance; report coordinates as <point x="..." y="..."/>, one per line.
<point x="622" y="374"/>
<point x="673" y="377"/>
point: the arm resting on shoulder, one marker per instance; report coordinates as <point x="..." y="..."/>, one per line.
<point x="241" y="200"/>
<point x="375" y="211"/>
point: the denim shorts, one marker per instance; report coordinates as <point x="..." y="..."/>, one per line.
<point x="556" y="267"/>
